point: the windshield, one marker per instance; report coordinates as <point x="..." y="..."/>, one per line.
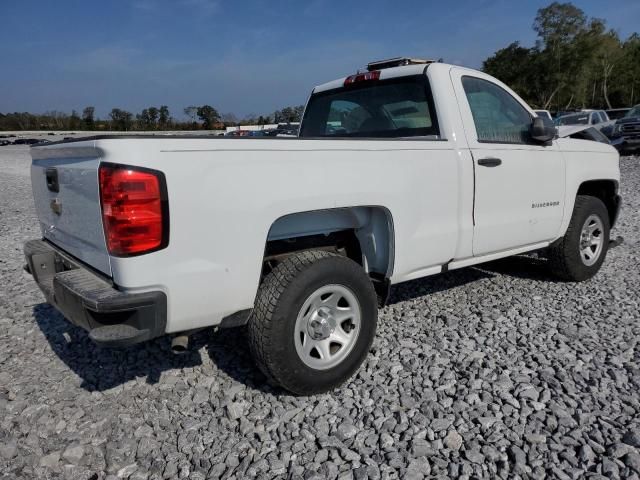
<point x="634" y="112"/>
<point x="400" y="107"/>
<point x="579" y="119"/>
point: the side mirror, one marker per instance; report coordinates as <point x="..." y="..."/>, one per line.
<point x="543" y="130"/>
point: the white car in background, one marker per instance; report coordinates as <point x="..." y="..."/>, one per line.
<point x="592" y="118"/>
<point x="544" y="113"/>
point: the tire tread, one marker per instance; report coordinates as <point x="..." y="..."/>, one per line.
<point x="273" y="286"/>
<point x="560" y="257"/>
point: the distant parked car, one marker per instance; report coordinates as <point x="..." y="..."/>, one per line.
<point x="597" y="118"/>
<point x="237" y="133"/>
<point x="562" y="113"/>
<point x="289" y="129"/>
<point x="616" y="113"/>
<point x="544" y="113"/>
<point x="626" y="132"/>
<point x="580" y="118"/>
<point x="280" y="132"/>
<point x="27" y="141"/>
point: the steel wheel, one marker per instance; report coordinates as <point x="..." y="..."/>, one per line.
<point x="327" y="326"/>
<point x="591" y="240"/>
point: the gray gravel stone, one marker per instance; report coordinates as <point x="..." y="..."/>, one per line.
<point x="126" y="471"/>
<point x="73" y="454"/>
<point x="518" y="456"/>
<point x="495" y="371"/>
<point x="418" y="469"/>
<point x="474" y="456"/>
<point x="618" y="450"/>
<point x="386" y="441"/>
<point x="51" y="460"/>
<point x="632" y="460"/>
<point x="8" y="449"/>
<point x="346" y="431"/>
<point x="453" y="440"/>
<point x="420" y="447"/>
<point x="587" y="454"/>
<point x="610" y="468"/>
<point x="632" y="437"/>
<point x="440" y="424"/>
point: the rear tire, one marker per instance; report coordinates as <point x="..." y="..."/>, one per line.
<point x="314" y="321"/>
<point x="579" y="254"/>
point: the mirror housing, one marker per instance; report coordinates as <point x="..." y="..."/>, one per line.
<point x="543" y="130"/>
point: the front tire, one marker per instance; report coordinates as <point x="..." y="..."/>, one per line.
<point x="579" y="254"/>
<point x="314" y="321"/>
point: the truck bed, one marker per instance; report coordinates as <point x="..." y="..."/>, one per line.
<point x="225" y="194"/>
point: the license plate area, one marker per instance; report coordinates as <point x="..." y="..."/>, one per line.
<point x="44" y="266"/>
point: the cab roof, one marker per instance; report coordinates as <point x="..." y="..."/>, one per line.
<point x="385" y="74"/>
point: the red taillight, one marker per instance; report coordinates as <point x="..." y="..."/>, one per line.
<point x="362" y="77"/>
<point x="134" y="212"/>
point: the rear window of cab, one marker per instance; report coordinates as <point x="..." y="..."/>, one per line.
<point x="395" y="108"/>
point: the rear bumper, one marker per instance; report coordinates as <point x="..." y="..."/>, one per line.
<point x="112" y="318"/>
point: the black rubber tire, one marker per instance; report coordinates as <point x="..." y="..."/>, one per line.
<point x="279" y="300"/>
<point x="564" y="257"/>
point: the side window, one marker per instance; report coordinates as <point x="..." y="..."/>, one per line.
<point x="498" y="116"/>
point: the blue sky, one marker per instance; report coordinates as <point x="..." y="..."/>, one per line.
<point x="245" y="56"/>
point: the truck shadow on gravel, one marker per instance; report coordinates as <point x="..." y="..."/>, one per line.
<point x="103" y="368"/>
<point x="525" y="267"/>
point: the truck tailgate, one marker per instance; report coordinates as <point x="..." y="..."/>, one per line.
<point x="65" y="187"/>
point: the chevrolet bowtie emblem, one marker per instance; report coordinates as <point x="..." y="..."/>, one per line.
<point x="56" y="206"/>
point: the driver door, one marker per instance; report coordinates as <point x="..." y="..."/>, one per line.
<point x="519" y="184"/>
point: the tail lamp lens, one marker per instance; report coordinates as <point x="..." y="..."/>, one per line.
<point x="134" y="212"/>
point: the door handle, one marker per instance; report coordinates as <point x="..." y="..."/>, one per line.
<point x="489" y="162"/>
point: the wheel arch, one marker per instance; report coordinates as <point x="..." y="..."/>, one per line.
<point x="607" y="191"/>
<point x="363" y="233"/>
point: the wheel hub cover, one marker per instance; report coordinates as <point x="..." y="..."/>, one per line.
<point x="321" y="324"/>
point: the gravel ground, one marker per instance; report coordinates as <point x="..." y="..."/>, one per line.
<point x="481" y="373"/>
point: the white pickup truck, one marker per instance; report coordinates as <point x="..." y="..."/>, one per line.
<point x="409" y="169"/>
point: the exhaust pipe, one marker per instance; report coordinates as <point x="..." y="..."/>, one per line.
<point x="180" y="344"/>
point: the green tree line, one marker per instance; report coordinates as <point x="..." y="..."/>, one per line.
<point x="576" y="62"/>
<point x="203" y="117"/>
